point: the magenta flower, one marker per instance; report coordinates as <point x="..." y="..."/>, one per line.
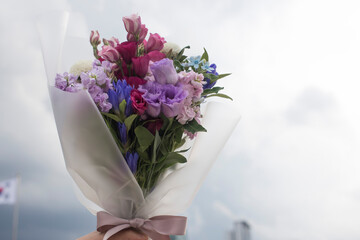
<point x="155" y="42"/>
<point x="141" y="65"/>
<point x="164" y="71"/>
<point x="127" y="51"/>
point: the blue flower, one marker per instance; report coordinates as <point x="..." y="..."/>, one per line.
<point x="122" y="132"/>
<point x="121" y="92"/>
<point x="132" y="160"/>
<point x="213" y="71"/>
<point x="195" y="61"/>
<point x="207" y="67"/>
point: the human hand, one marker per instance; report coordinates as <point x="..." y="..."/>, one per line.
<point x="126" y="234"/>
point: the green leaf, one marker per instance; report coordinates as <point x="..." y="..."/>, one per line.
<point x="144" y="137"/>
<point x="180" y="144"/>
<point x="182" y="52"/>
<point x="220" y="95"/>
<point x="178" y="65"/>
<point x="205" y="55"/>
<point x="129" y="121"/>
<point x="182" y="151"/>
<point x="157" y="142"/>
<point x="223" y="75"/>
<point x="171" y="159"/>
<point x="122" y="106"/>
<point x="112" y="116"/>
<point x="193" y="127"/>
<point x="211" y="90"/>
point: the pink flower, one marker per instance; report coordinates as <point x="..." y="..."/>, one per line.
<point x="141" y="65"/>
<point x="95" y="38"/>
<point x="127" y="51"/>
<point x="112" y="42"/>
<point x="137" y="101"/>
<point x="155" y="42"/>
<point x="109" y="53"/>
<point x="156" y="56"/>
<point x="132" y="24"/>
<point x="135" y="81"/>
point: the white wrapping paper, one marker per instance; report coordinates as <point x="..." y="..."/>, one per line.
<point x="92" y="157"/>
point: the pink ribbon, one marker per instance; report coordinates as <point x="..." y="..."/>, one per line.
<point x="157" y="228"/>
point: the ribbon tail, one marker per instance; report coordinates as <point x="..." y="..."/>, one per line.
<point x="114" y="230"/>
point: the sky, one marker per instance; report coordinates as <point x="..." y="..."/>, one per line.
<point x="290" y="168"/>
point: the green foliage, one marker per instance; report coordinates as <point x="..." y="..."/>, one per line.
<point x="193" y="127"/>
<point x="205" y="56"/>
<point x="144" y="137"/>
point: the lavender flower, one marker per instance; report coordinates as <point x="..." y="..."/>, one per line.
<point x="164" y="71"/>
<point x="172" y="100"/>
<point x="120" y="93"/>
<point x="152" y="94"/>
<point x="68" y="82"/>
<point x="166" y="98"/>
<point x="132" y="161"/>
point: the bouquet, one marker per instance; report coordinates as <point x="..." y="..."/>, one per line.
<point x="125" y="120"/>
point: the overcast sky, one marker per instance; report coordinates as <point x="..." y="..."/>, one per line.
<point x="291" y="168"/>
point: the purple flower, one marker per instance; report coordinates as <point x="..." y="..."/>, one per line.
<point x="67" y="82"/>
<point x="164" y="71"/>
<point x="122" y="132"/>
<point x="120" y="93"/>
<point x="132" y="161"/>
<point x="167" y="98"/>
<point x="152" y="94"/>
<point x="172" y="100"/>
<point x="208" y="84"/>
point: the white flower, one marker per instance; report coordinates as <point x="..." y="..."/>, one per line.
<point x="173" y="47"/>
<point x="81" y="66"/>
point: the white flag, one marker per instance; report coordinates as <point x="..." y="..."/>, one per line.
<point x="8" y="191"/>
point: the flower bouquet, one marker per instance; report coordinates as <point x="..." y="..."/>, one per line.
<point x="132" y="127"/>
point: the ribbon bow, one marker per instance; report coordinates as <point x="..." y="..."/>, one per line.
<point x="157" y="228"/>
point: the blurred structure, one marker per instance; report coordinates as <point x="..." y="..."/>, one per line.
<point x="185" y="237"/>
<point x="241" y="231"/>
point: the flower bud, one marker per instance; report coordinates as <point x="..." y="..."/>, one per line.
<point x="95" y="38"/>
<point x="109" y="53"/>
<point x="132" y="24"/>
<point x="155" y="42"/>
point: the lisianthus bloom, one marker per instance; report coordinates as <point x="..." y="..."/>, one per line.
<point x="141" y="65"/>
<point x="156" y="56"/>
<point x="138" y="102"/>
<point x="155" y="42"/>
<point x="132" y="24"/>
<point x="135" y="81"/>
<point x="109" y="53"/>
<point x="127" y="51"/>
<point x="164" y="71"/>
<point x="167" y="98"/>
<point x="172" y="100"/>
<point x="95" y="38"/>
